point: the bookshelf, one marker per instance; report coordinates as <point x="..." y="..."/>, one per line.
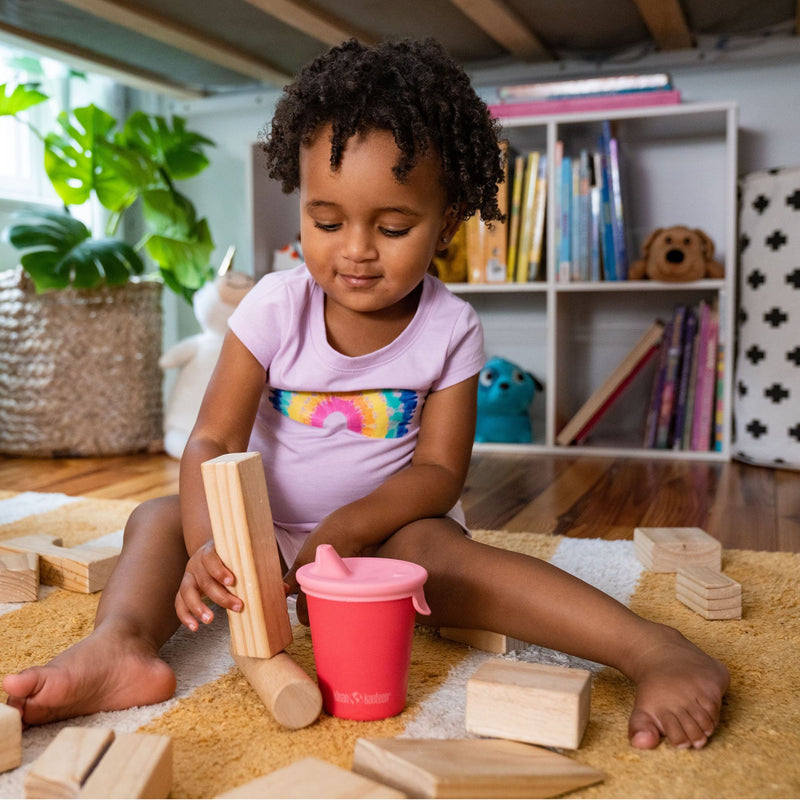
<point x="680" y="167"/>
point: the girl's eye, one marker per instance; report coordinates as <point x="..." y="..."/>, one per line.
<point x="327" y="226"/>
<point x="394" y="232"/>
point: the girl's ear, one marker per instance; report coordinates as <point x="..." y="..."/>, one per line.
<point x="453" y="217"/>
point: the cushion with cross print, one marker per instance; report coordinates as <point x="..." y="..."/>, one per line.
<point x="767" y="379"/>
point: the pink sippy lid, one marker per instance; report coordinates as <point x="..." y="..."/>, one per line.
<point x="363" y="580"/>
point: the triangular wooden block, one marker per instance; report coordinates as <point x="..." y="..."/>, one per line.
<point x="470" y="768"/>
<point x="312" y="777"/>
<point x="84" y="568"/>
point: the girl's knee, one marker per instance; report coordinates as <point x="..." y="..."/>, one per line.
<point x="160" y="516"/>
<point x="422" y="540"/>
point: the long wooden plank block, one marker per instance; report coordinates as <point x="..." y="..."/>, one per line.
<point x="241" y="523"/>
<point x="470" y="768"/>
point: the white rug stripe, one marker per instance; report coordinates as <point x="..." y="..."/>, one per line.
<point x="29" y="503"/>
<point x="442" y="716"/>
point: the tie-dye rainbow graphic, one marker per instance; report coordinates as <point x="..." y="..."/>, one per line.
<point x="377" y="413"/>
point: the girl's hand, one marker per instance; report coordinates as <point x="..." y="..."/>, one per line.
<point x="205" y="577"/>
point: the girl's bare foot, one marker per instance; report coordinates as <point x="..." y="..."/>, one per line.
<point x="104" y="672"/>
<point x="679" y="691"/>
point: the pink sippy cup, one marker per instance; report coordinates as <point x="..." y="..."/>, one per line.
<point x="361" y="612"/>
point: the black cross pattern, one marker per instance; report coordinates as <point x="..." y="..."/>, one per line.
<point x="756" y="278"/>
<point x="744" y="242"/>
<point x="793" y="278"/>
<point x="793" y="200"/>
<point x="741" y="388"/>
<point x="795" y="432"/>
<point x="755" y="354"/>
<point x="775" y="317"/>
<point x="776" y="240"/>
<point x="742" y="316"/>
<point x="794" y="355"/>
<point x="756" y="428"/>
<point x="776" y="393"/>
<point x="761" y="202"/>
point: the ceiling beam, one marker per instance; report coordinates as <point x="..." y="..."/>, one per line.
<point x="315" y="23"/>
<point x="83" y="59"/>
<point x="506" y="27"/>
<point x="666" y="23"/>
<point x="168" y="31"/>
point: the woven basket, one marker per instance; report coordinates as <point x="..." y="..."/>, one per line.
<point x="79" y="372"/>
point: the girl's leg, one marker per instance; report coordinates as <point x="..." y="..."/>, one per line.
<point x="472" y="585"/>
<point x="117" y="665"/>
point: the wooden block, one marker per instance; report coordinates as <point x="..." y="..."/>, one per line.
<point x="312" y="777"/>
<point x="727" y="612"/>
<point x="19" y="577"/>
<point x="10" y="738"/>
<point x="483" y="640"/>
<point x="284" y="687"/>
<point x="534" y="703"/>
<point x="470" y="768"/>
<point x="64" y="766"/>
<point x="708" y="583"/>
<point x="241" y="522"/>
<point x="669" y="549"/>
<point x="84" y="568"/>
<point x="135" y="765"/>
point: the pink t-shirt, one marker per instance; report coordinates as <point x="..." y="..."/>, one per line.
<point x="330" y="427"/>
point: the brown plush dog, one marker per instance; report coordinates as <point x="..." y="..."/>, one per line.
<point x="677" y="254"/>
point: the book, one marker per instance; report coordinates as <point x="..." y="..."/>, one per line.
<point x="719" y="395"/>
<point x="606" y="228"/>
<point x="526" y="217"/>
<point x="641" y="350"/>
<point x="564" y="248"/>
<point x="689" y="335"/>
<point x="654" y="406"/>
<point x="667" y="408"/>
<point x="706" y="385"/>
<point x="582" y="105"/>
<point x="487" y="245"/>
<point x="535" y="263"/>
<point x="575" y="87"/>
<point x="686" y="442"/>
<point x="611" y="149"/>
<point x="558" y="155"/>
<point x="580" y="438"/>
<point x="514" y="214"/>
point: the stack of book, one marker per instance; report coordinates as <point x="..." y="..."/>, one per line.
<point x="591" y="241"/>
<point x="685" y="405"/>
<point x="685" y="411"/>
<point x="582" y="95"/>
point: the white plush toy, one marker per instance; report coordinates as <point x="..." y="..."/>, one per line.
<point x="196" y="356"/>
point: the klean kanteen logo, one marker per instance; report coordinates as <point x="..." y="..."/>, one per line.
<point x="358" y="699"/>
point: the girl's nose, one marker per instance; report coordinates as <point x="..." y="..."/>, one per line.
<point x="360" y="245"/>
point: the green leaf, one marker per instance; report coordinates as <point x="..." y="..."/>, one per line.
<point x="169" y="212"/>
<point x="22" y="97"/>
<point x="60" y="252"/>
<point x="186" y="258"/>
<point x="174" y="149"/>
<point x="83" y="158"/>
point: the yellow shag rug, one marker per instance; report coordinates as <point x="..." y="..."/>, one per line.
<point x="223" y="736"/>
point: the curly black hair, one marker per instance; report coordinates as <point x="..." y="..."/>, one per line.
<point x="413" y="89"/>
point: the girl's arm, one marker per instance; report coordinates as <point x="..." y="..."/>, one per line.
<point x="429" y="487"/>
<point x="223" y="425"/>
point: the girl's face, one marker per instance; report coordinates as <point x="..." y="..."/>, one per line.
<point x="368" y="239"/>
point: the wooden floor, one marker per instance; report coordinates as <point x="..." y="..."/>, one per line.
<point x="744" y="507"/>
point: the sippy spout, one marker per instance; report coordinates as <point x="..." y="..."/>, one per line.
<point x="420" y="603"/>
<point x="328" y="564"/>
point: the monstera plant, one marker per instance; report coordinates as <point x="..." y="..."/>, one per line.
<point x="80" y="317"/>
<point x="90" y="154"/>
